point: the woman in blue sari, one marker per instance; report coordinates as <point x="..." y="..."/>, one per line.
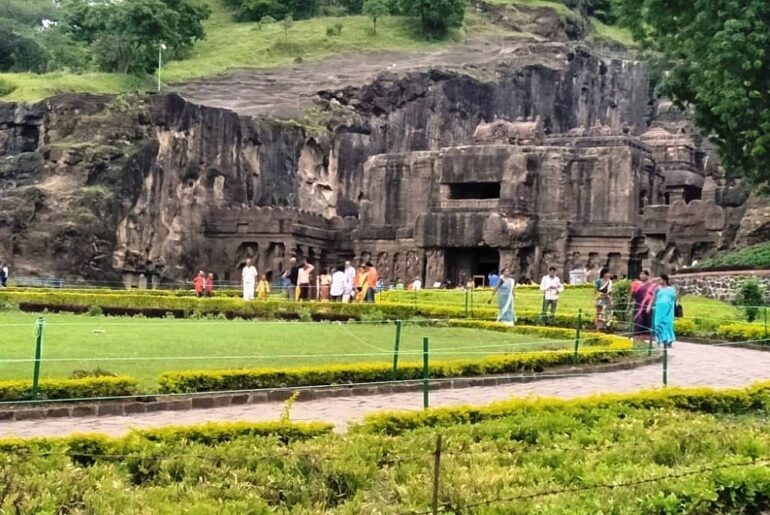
<point x="663" y="305"/>
<point x="505" y="298"/>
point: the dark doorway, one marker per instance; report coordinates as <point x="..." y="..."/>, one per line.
<point x="466" y="264"/>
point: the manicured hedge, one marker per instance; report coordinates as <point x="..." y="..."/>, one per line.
<point x="211" y="433"/>
<point x="707" y="400"/>
<point x="597" y="348"/>
<point x="51" y="389"/>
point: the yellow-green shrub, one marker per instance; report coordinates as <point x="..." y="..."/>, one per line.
<point x="708" y="400"/>
<point x="598" y="348"/>
<point x="102" y="386"/>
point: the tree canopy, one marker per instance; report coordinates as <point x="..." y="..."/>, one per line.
<point x="83" y="35"/>
<point x="715" y="56"/>
<point x="437" y="16"/>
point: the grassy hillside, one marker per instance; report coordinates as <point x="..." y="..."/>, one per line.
<point x="239" y="45"/>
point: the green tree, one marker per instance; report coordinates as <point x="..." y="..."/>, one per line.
<point x="751" y="296"/>
<point x="125" y="36"/>
<point x="438" y="17"/>
<point x="375" y="9"/>
<point x="715" y="56"/>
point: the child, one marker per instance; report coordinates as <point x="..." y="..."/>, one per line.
<point x="263" y="287"/>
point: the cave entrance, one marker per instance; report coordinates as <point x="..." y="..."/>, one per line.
<point x="470" y="263"/>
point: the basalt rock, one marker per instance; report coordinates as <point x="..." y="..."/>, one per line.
<point x="154" y="188"/>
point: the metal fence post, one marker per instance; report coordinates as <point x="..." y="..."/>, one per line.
<point x="651" y="331"/>
<point x="665" y="366"/>
<point x="396" y="346"/>
<point x="425" y="374"/>
<point x="38" y="356"/>
<point x="765" y="315"/>
<point x="466" y="302"/>
<point x="579" y="325"/>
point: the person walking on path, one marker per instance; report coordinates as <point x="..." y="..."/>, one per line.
<point x="199" y="284"/>
<point x="551" y="287"/>
<point x="603" y="287"/>
<point x="350" y="282"/>
<point x="248" y="280"/>
<point x="263" y="288"/>
<point x="372" y="277"/>
<point x="505" y="291"/>
<point x="303" y="281"/>
<point x="210" y="285"/>
<point x="641" y="292"/>
<point x="338" y="285"/>
<point x="663" y="310"/>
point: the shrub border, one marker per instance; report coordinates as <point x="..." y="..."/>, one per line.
<point x="173" y="402"/>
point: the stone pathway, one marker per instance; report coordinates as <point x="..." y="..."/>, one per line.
<point x="689" y="365"/>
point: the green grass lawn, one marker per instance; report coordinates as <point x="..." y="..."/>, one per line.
<point x="145" y="348"/>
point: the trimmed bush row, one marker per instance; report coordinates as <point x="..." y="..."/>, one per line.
<point x="211" y="433"/>
<point x="50" y="389"/>
<point x="598" y="348"/>
<point x="705" y="400"/>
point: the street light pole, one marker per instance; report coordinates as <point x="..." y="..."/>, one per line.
<point x="161" y="48"/>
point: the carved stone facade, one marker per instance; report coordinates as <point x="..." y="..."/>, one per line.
<point x="515" y="198"/>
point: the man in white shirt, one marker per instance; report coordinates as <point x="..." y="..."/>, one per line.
<point x="416" y="284"/>
<point x="303" y="281"/>
<point x="350" y="280"/>
<point x="339" y="283"/>
<point x="248" y="280"/>
<point x="551" y="287"/>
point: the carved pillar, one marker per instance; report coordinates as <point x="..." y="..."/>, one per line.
<point x="434" y="267"/>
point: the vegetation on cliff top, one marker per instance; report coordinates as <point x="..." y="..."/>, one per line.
<point x="227" y="43"/>
<point x="756" y="256"/>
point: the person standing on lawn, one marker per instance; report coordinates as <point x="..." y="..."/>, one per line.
<point x="248" y="280"/>
<point x="199" y="284"/>
<point x="324" y="285"/>
<point x="350" y="282"/>
<point x="263" y="288"/>
<point x="303" y="281"/>
<point x="339" y="283"/>
<point x="603" y="288"/>
<point x="291" y="274"/>
<point x="493" y="279"/>
<point x="551" y="287"/>
<point x="210" y="285"/>
<point x="372" y="277"/>
<point x="505" y="291"/>
<point x="4" y="271"/>
<point x="663" y="310"/>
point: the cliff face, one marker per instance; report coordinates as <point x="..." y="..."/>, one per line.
<point x="94" y="185"/>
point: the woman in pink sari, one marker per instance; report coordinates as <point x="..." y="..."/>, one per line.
<point x="642" y="293"/>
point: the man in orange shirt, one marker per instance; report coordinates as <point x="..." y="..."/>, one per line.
<point x="371" y="281"/>
<point x="199" y="284"/>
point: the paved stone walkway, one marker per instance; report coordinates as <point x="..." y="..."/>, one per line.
<point x="689" y="365"/>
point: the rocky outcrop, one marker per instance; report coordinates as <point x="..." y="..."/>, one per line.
<point x="95" y="186"/>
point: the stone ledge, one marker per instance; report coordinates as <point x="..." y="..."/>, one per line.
<point x="216" y="400"/>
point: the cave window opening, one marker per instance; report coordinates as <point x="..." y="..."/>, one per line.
<point x="474" y="190"/>
<point x="691" y="193"/>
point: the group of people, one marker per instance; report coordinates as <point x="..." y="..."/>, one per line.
<point x="504" y="286"/>
<point x="654" y="302"/>
<point x="203" y="284"/>
<point x="345" y="283"/>
<point x="655" y="307"/>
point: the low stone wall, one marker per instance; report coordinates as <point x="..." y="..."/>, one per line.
<point x="718" y="285"/>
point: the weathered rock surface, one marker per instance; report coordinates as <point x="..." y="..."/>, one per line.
<point x="96" y="187"/>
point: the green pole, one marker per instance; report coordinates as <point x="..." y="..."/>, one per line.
<point x="577" y="332"/>
<point x="466" y="302"/>
<point x="425" y="374"/>
<point x="650" y="329"/>
<point x="765" y="313"/>
<point x="471" y="303"/>
<point x="38" y="356"/>
<point x="396" y="346"/>
<point x="665" y="366"/>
